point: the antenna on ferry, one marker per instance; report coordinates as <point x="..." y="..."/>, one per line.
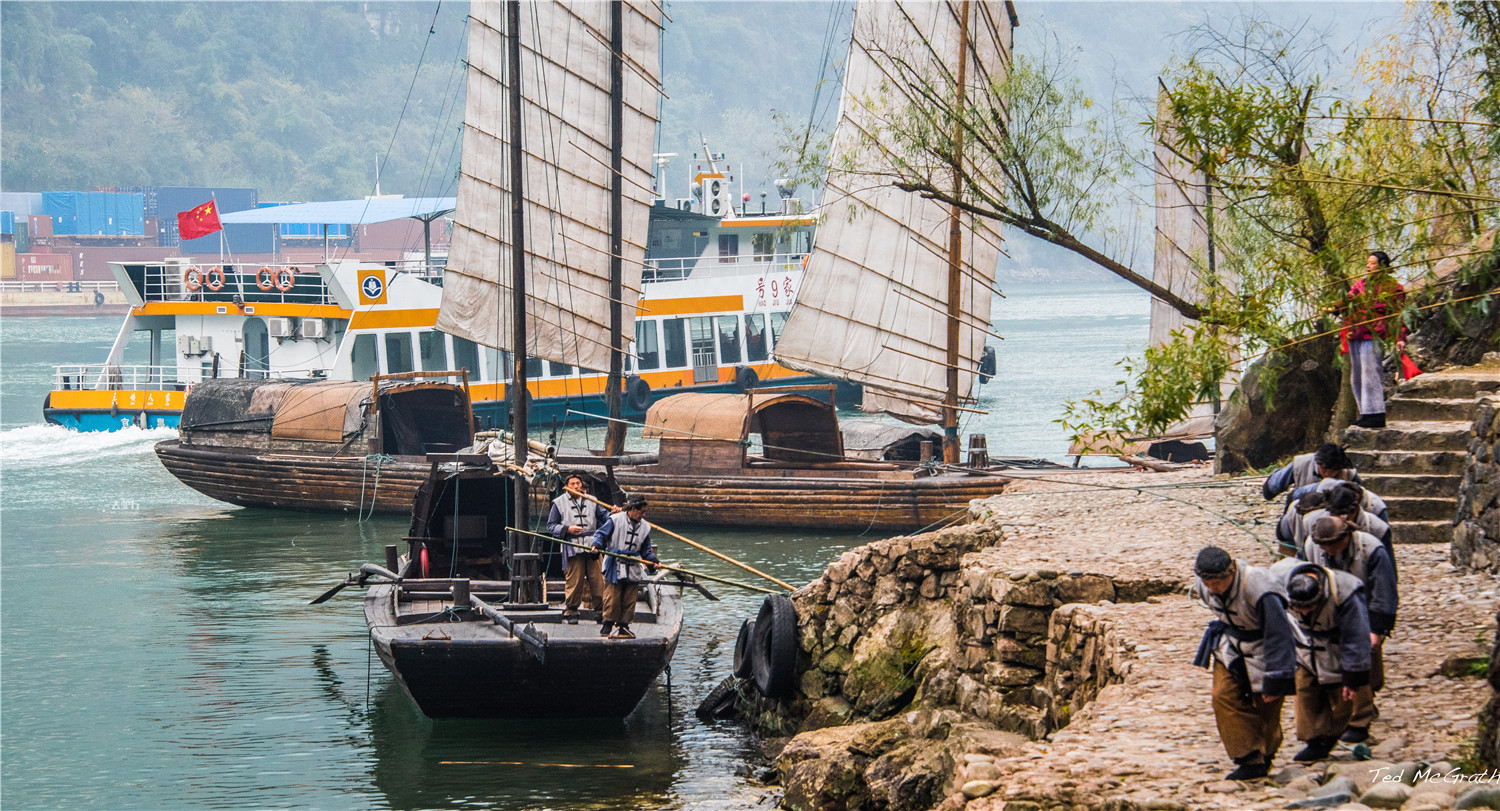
<point x="659" y="178"/>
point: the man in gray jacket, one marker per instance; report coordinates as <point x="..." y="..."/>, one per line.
<point x="1333" y="673"/>
<point x="1251" y="648"/>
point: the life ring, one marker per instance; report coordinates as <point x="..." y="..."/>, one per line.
<point x="192" y="278"/>
<point x="774" y="646"/>
<point x="265" y="278"/>
<point x="285" y="278"/>
<point x="745" y="378"/>
<point x="422" y="557"/>
<point x="637" y="393"/>
<point x="213" y="280"/>
<point x="743" y="657"/>
<point x="98" y="298"/>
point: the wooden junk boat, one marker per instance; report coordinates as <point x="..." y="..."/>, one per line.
<point x="705" y="472"/>
<point x="469" y="624"/>
<point x="318" y="445"/>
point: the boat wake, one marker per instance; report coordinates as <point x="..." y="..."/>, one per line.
<point x="35" y="445"/>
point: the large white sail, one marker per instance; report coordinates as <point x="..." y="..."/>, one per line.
<point x="874" y="305"/>
<point x="1184" y="259"/>
<point x="565" y="80"/>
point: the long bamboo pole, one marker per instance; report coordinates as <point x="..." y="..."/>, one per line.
<point x="645" y="562"/>
<point x="696" y="545"/>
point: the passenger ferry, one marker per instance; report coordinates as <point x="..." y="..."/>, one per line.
<point x="715" y="293"/>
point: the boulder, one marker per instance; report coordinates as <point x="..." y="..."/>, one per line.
<point x="1386" y="795"/>
<point x="911" y="777"/>
<point x="1283" y="407"/>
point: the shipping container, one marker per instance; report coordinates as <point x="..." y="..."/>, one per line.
<point x="41" y="225"/>
<point x="91" y="264"/>
<point x="112" y="214"/>
<point x="23" y="203"/>
<point x="44" y="267"/>
<point x="7" y="261"/>
<point x="7" y="223"/>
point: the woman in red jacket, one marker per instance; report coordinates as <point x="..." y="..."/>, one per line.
<point x="1372" y="312"/>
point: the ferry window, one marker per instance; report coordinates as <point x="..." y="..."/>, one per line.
<point x="729" y="339"/>
<point x="362" y="356"/>
<point x="674" y="334"/>
<point x="559" y="369"/>
<point x="466" y="356"/>
<point x="533" y="368"/>
<point x="778" y="320"/>
<point x="763" y="245"/>
<point x="729" y="247"/>
<point x="398" y="353"/>
<point x="646" y="346"/>
<point x="434" y="355"/>
<point x="755" y="337"/>
<point x="497" y="363"/>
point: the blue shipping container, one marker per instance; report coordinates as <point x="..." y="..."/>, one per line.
<point x="95" y="213"/>
<point x="171" y="200"/>
<point x="8" y="223"/>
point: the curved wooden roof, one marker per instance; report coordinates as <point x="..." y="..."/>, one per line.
<point x="793" y="427"/>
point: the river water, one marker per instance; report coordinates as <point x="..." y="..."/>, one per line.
<point x="159" y="652"/>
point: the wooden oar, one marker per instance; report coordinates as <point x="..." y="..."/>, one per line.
<point x="645" y="562"/>
<point x="696" y="545"/>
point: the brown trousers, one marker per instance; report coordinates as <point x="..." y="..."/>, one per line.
<point x="1246" y="724"/>
<point x="585" y="574"/>
<point x="619" y="602"/>
<point x="1365" y="711"/>
<point x="1321" y="709"/>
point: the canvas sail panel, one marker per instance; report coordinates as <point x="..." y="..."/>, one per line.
<point x="565" y="134"/>
<point x="1184" y="249"/>
<point x="873" y="308"/>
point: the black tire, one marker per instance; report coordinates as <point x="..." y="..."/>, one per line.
<point x="637" y="393"/>
<point x="745" y="378"/>
<point x="719" y="703"/>
<point x="744" y="653"/>
<point x="774" y="638"/>
<point x="98" y="298"/>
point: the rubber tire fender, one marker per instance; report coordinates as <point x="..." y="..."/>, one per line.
<point x="98" y="298"/>
<point x="745" y="379"/>
<point x="744" y="657"/>
<point x="719" y="703"/>
<point x="774" y="657"/>
<point x="637" y="393"/>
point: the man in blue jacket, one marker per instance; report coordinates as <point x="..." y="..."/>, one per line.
<point x="625" y="533"/>
<point x="1333" y="672"/>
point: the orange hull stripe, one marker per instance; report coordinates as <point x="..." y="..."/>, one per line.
<point x="691" y="305"/>
<point x="594" y="384"/>
<point x="764" y="221"/>
<point x="393" y="319"/>
<point x="127" y="400"/>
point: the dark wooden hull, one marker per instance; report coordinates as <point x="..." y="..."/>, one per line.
<point x="296" y="481"/>
<point x="476" y="670"/>
<point x="849" y="502"/>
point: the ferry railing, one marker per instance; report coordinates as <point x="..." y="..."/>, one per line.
<point x="175" y="283"/>
<point x="115" y="377"/>
<point x="33" y="286"/>
<point x="697" y="267"/>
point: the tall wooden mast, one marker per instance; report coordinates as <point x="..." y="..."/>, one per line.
<point x="955" y="253"/>
<point x="614" y="434"/>
<point x="523" y="565"/>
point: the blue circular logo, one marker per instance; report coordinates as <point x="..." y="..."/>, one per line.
<point x="373" y="286"/>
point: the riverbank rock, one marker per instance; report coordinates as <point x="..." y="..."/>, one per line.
<point x="1283" y="407"/>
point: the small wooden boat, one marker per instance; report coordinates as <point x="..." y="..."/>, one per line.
<point x="318" y="445"/>
<point x="459" y="623"/>
<point x="705" y="472"/>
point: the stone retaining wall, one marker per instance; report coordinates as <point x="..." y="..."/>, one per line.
<point x="898" y="624"/>
<point x="1476" y="538"/>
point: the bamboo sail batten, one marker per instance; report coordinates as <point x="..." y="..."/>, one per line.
<point x="565" y="135"/>
<point x="856" y="317"/>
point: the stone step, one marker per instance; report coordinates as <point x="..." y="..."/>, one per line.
<point x="1445" y="463"/>
<point x="1421" y="509"/>
<point x="1411" y="436"/>
<point x="1410" y="409"/>
<point x="1449" y="385"/>
<point x="1404" y="532"/>
<point x="1422" y="485"/>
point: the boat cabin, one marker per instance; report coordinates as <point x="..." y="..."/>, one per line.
<point x="393" y="416"/>
<point x="710" y="433"/>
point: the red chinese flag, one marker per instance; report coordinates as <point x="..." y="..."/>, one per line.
<point x="198" y="222"/>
